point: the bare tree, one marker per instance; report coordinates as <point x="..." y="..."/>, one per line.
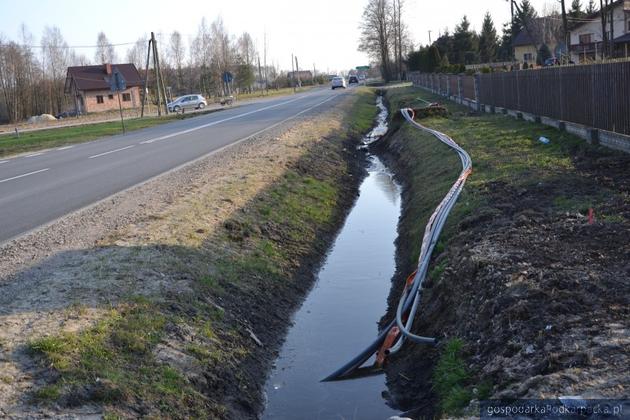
<point x="105" y="52"/>
<point x="137" y="54"/>
<point x="56" y="57"/>
<point x="177" y="52"/>
<point x="376" y="34"/>
<point x="222" y="53"/>
<point x="246" y="55"/>
<point x="200" y="53"/>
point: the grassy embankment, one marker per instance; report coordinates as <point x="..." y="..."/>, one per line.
<point x="505" y="153"/>
<point x="247" y="275"/>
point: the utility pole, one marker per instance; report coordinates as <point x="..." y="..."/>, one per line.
<point x="159" y="81"/>
<point x="297" y="72"/>
<point x="265" y="60"/>
<point x="259" y="72"/>
<point x="565" y="25"/>
<point x="293" y="73"/>
<point x="429" y="37"/>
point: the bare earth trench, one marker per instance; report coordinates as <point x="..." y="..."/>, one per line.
<point x="63" y="276"/>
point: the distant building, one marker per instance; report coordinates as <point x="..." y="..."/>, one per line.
<point x="302" y="74"/>
<point x="89" y="87"/>
<point x="587" y="40"/>
<point x="540" y="31"/>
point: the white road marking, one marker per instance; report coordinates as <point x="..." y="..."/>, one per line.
<point x="285" y="120"/>
<point x="3" y="161"/>
<point x="111" y="151"/>
<point x="34" y="154"/>
<point x="65" y="148"/>
<point x="23" y="175"/>
<point x="190" y="130"/>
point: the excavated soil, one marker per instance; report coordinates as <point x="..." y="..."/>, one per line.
<point x="540" y="297"/>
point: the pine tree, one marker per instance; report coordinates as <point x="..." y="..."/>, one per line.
<point x="524" y="16"/>
<point x="505" y="51"/>
<point x="576" y="11"/>
<point x="591" y="8"/>
<point x="488" y="40"/>
<point x="462" y="41"/>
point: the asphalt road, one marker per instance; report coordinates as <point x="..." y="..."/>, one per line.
<point x="38" y="188"/>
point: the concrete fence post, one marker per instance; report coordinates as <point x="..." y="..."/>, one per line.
<point x="477" y="82"/>
<point x="459" y="88"/>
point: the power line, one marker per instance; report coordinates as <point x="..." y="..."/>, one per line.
<point x="71" y="46"/>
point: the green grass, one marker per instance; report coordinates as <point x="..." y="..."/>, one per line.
<point x="300" y="203"/>
<point x="450" y="378"/>
<point x="364" y="112"/>
<point x="114" y="359"/>
<point x="56" y="137"/>
<point x="503" y="149"/>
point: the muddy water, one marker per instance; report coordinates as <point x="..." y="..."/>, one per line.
<point x="339" y="317"/>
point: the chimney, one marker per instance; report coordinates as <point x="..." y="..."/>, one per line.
<point x="108" y="69"/>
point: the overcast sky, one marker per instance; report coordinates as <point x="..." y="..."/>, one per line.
<point x="323" y="33"/>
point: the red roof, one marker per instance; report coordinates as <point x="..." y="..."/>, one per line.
<point x="97" y="77"/>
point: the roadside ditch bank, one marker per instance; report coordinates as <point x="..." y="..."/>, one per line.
<point x="527" y="298"/>
<point x="179" y="313"/>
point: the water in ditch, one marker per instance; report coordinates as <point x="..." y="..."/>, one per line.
<point x="339" y="317"/>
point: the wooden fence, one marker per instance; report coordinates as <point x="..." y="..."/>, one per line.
<point x="596" y="95"/>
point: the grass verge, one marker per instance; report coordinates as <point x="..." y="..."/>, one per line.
<point x="55" y="137"/>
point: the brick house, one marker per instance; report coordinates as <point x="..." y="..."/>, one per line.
<point x="89" y="87"/>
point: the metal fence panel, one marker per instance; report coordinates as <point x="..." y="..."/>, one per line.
<point x="596" y="95"/>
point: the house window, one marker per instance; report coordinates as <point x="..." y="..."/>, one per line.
<point x="126" y="97"/>
<point x="586" y="38"/>
<point x="527" y="57"/>
<point x="99" y="99"/>
<point x="110" y="97"/>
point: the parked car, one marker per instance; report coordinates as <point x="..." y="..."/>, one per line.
<point x="187" y="102"/>
<point x="338" y="82"/>
<point x="552" y="61"/>
<point x="353" y="80"/>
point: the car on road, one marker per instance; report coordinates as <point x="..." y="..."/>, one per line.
<point x="187" y="102"/>
<point x="353" y="80"/>
<point x="338" y="82"/>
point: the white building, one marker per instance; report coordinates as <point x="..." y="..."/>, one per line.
<point x="587" y="39"/>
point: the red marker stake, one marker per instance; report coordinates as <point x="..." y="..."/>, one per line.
<point x="590" y="216"/>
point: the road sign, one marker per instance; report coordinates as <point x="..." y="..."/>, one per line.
<point x="116" y="84"/>
<point x="227" y="77"/>
<point x="362" y="68"/>
<point x="117" y="81"/>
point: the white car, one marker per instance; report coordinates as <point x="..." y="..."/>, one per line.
<point x="338" y="82"/>
<point x="187" y="102"/>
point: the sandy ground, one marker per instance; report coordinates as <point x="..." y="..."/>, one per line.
<point x="62" y="276"/>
